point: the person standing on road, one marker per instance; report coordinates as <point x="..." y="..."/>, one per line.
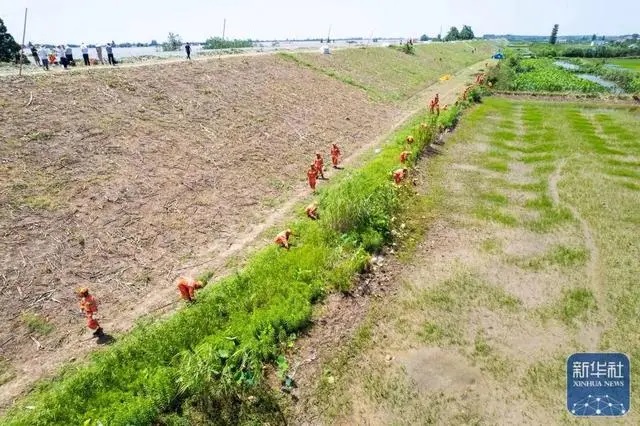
<point x="34" y="53"/>
<point x="187" y="48"/>
<point x="85" y="54"/>
<point x="109" y="50"/>
<point x="63" y="58"/>
<point x="44" y="57"/>
<point x="99" y="53"/>
<point x="68" y="53"/>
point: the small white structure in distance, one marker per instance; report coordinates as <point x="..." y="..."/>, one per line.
<point x="324" y="49"/>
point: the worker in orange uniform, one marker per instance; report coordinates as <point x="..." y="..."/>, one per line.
<point x="282" y="239"/>
<point x="312" y="211"/>
<point x="187" y="288"/>
<point x="89" y="306"/>
<point x="312" y="176"/>
<point x="404" y="156"/>
<point x="410" y="139"/>
<point x="335" y="155"/>
<point x="319" y="165"/>
<point x="434" y="107"/>
<point x="399" y="175"/>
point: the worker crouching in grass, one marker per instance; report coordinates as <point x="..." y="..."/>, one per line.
<point x="282" y="239"/>
<point x="187" y="288"/>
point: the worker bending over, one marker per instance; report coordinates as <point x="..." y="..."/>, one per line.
<point x="312" y="211"/>
<point x="399" y="175"/>
<point x="187" y="288"/>
<point x="89" y="306"/>
<point x="282" y="239"/>
<point x="312" y="176"/>
<point x="409" y="139"/>
<point x="335" y="155"/>
<point x="319" y="165"/>
<point x="404" y="156"/>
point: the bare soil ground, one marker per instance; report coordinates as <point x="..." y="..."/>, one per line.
<point x="122" y="179"/>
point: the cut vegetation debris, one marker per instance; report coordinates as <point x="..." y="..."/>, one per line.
<point x="489" y="306"/>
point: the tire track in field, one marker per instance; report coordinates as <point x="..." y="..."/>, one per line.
<point x="594" y="271"/>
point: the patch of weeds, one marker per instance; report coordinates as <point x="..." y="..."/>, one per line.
<point x="496" y="165"/>
<point x="34" y="136"/>
<point x="504" y="135"/>
<point x="546" y="380"/>
<point x="36" y="324"/>
<point x="542" y="202"/>
<point x="549" y="219"/>
<point x="440" y="334"/>
<point x="332" y="389"/>
<point x="6" y="372"/>
<point x="540" y="186"/>
<point x="491" y="246"/>
<point x="495" y="198"/>
<point x="39" y="202"/>
<point x="566" y="256"/>
<point x="389" y="389"/>
<point x="481" y="347"/>
<point x="463" y="291"/>
<point x="573" y="306"/>
<point x="630" y="185"/>
<point x="622" y="172"/>
<point x="494" y="214"/>
<point x="279" y="184"/>
<point x="559" y="255"/>
<point x="544" y="169"/>
<point x="490" y="361"/>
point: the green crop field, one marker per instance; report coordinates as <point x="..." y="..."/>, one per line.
<point x="631" y="64"/>
<point x="389" y="74"/>
<point x="532" y="254"/>
<point x="542" y="75"/>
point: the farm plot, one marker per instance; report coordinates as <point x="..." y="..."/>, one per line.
<point x="531" y="254"/>
<point x="121" y="178"/>
<point x="542" y="75"/>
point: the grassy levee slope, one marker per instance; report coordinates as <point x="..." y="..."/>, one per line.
<point x="387" y="73"/>
<point x="210" y="355"/>
<point x="532" y="254"/>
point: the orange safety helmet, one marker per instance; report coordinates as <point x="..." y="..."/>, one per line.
<point x="82" y="291"/>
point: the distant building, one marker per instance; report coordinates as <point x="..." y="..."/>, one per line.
<point x="598" y="43"/>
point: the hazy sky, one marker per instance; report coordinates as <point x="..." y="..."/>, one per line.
<point x="76" y="21"/>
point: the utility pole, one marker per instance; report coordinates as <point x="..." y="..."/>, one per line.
<point x="24" y="30"/>
<point x="224" y="27"/>
<point x="329" y="35"/>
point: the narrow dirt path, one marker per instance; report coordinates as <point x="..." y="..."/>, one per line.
<point x="215" y="257"/>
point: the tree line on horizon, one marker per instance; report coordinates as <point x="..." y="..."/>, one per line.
<point x="466" y="33"/>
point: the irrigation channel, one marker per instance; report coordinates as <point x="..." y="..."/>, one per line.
<point x="611" y="86"/>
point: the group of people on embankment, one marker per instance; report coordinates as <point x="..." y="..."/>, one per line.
<point x="63" y="55"/>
